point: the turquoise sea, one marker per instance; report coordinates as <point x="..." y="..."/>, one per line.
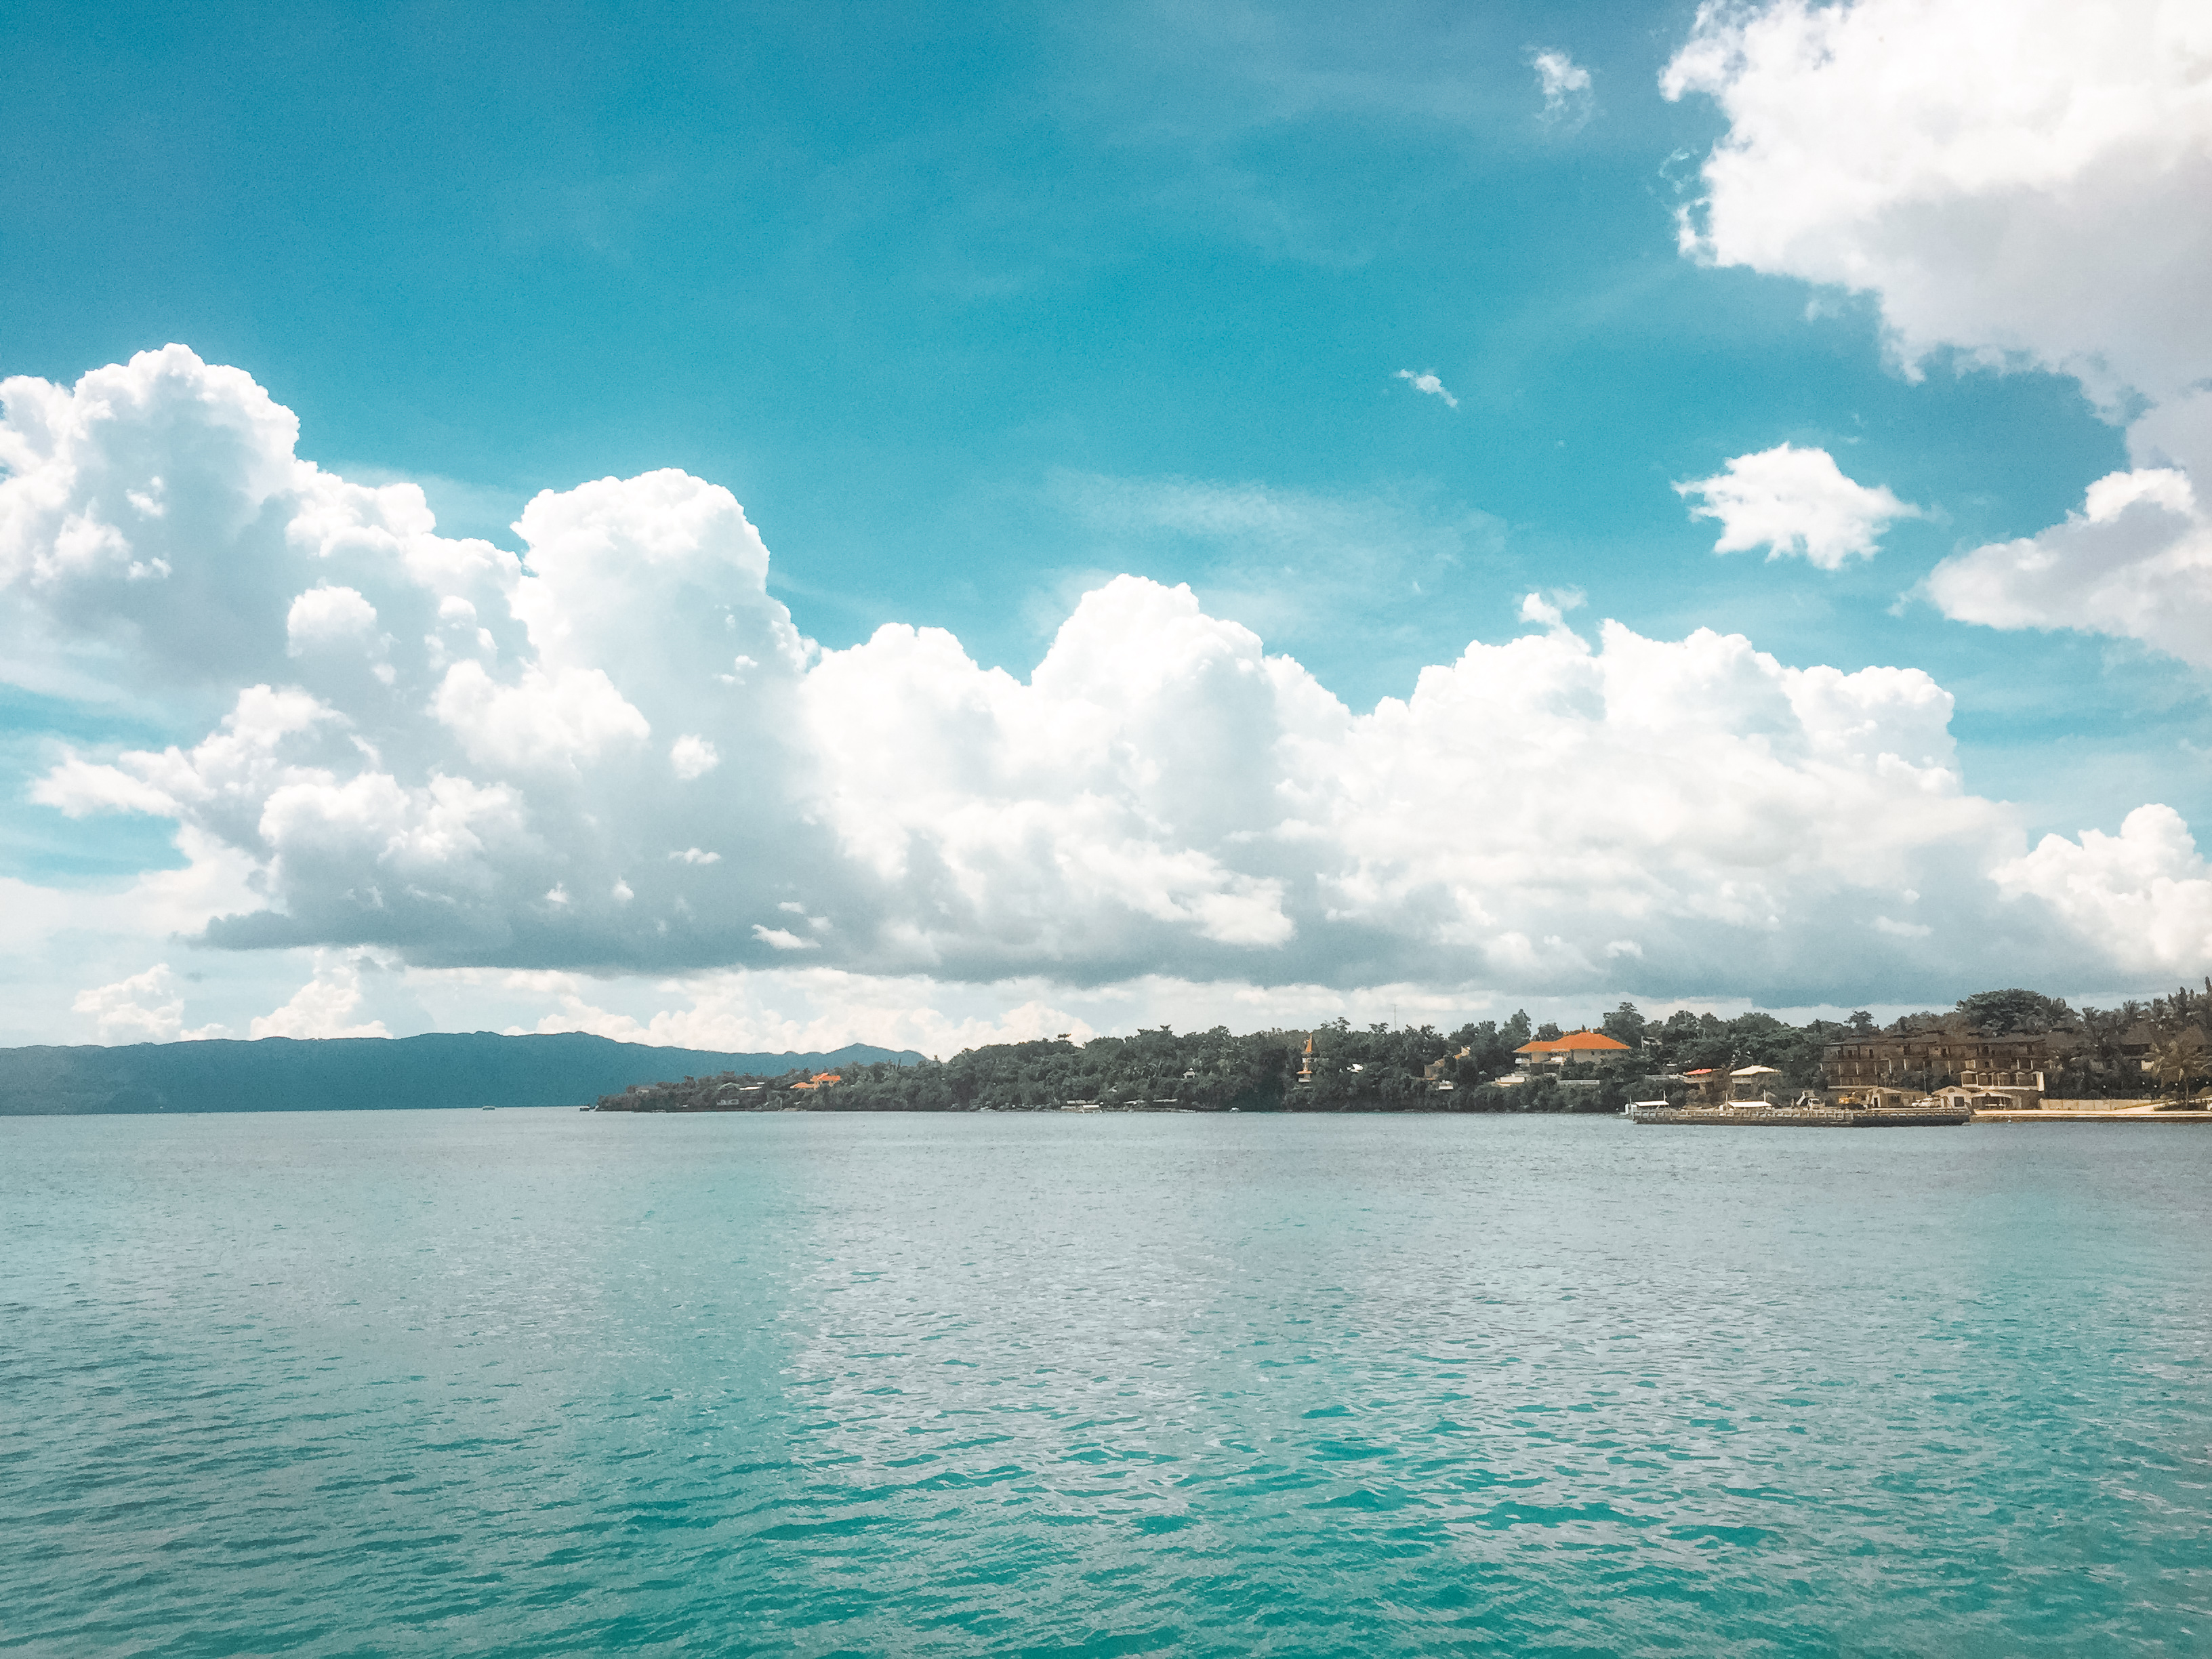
<point x="534" y="1383"/>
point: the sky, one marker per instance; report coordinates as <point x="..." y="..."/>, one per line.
<point x="762" y="527"/>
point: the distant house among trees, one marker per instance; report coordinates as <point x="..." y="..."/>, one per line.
<point x="1992" y="1041"/>
<point x="1574" y="1046"/>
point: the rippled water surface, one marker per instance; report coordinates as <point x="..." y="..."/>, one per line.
<point x="525" y="1383"/>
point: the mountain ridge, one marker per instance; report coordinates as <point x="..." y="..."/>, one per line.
<point x="443" y="1069"/>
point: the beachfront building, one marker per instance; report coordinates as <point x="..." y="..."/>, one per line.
<point x="2143" y="1037"/>
<point x="1433" y="1072"/>
<point x="1575" y="1045"/>
<point x="1880" y="1060"/>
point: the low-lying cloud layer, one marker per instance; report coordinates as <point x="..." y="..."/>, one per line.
<point x="617" y="753"/>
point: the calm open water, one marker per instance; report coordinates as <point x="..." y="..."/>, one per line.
<point x="524" y="1383"/>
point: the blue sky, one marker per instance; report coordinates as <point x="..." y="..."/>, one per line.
<point x="974" y="308"/>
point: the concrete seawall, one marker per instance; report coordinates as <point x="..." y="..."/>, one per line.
<point x="2098" y="1111"/>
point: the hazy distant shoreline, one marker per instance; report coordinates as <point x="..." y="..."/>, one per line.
<point x="455" y="1069"/>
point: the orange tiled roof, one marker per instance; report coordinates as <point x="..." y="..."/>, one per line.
<point x="1594" y="1042"/>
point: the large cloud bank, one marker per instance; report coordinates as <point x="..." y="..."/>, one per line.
<point x="2024" y="182"/>
<point x="617" y="752"/>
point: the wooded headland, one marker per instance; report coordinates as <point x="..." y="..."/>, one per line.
<point x="2096" y="1054"/>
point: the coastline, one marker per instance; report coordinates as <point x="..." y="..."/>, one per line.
<point x="2099" y="1111"/>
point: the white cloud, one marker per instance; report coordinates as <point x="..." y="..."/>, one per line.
<point x="1551" y="612"/>
<point x="693" y="758"/>
<point x="1159" y="799"/>
<point x="563" y="719"/>
<point x="328" y="615"/>
<point x="2136" y="560"/>
<point x="2146" y="889"/>
<point x="144" y="1008"/>
<point x="2022" y="183"/>
<point x="1428" y="382"/>
<point x="1565" y="85"/>
<point x="1795" y="500"/>
<point x="782" y="939"/>
<point x="79" y="788"/>
<point x="816" y="1009"/>
<point x="2015" y="179"/>
<point x="321" y="1007"/>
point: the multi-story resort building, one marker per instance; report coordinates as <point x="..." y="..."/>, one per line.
<point x="1880" y="1060"/>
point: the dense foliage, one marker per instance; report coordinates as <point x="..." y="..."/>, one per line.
<point x="1377" y="1068"/>
<point x="2096" y="1052"/>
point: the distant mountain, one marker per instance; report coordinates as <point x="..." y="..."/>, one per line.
<point x="452" y="1068"/>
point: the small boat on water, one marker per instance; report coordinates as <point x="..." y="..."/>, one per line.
<point x="1744" y="1098"/>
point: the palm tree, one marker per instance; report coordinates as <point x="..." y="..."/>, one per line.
<point x="2173" y="1061"/>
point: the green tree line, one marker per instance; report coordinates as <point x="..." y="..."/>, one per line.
<point x="1381" y="1067"/>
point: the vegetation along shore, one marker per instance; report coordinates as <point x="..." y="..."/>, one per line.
<point x="2135" y="1051"/>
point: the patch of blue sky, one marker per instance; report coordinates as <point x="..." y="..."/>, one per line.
<point x="971" y="304"/>
<point x="38" y="844"/>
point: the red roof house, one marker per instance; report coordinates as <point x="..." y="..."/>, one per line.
<point x="1575" y="1045"/>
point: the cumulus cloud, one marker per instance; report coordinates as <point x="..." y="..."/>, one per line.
<point x="329" y="616"/>
<point x="144" y="1008"/>
<point x="2015" y="178"/>
<point x="1565" y="84"/>
<point x="2148" y="885"/>
<point x="2023" y="184"/>
<point x="1792" y="501"/>
<point x="1161" y="795"/>
<point x="540" y="720"/>
<point x="693" y="758"/>
<point x="2136" y="560"/>
<point x="1428" y="382"/>
<point x="322" y="1007"/>
<point x="1551" y="610"/>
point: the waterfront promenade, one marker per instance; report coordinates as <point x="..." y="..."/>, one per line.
<point x="2098" y="1111"/>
